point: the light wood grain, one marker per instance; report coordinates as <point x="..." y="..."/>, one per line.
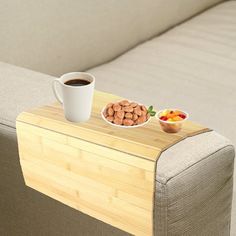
<point x="101" y="170"/>
<point x="115" y="191"/>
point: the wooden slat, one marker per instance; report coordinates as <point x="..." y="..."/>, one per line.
<point x="87" y="207"/>
<point x="115" y="191"/>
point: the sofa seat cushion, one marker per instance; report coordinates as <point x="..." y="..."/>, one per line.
<point x="55" y="37"/>
<point x="21" y="89"/>
<point x="191" y="67"/>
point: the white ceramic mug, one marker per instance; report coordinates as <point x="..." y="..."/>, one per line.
<point x="77" y="100"/>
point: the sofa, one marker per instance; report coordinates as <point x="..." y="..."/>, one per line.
<point x="178" y="53"/>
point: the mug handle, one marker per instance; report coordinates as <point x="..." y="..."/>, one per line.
<point x="58" y="97"/>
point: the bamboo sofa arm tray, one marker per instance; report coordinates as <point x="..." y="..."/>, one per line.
<point x="101" y="170"/>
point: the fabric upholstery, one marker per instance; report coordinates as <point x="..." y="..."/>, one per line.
<point x="58" y="36"/>
<point x="22" y="89"/>
<point x="194" y="187"/>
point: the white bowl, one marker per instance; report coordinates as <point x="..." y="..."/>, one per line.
<point x="171" y="122"/>
<point x="124" y="126"/>
<point x="171" y="126"/>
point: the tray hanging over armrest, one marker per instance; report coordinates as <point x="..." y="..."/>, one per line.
<point x="101" y="170"/>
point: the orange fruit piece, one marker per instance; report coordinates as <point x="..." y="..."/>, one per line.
<point x="170" y="115"/>
<point x="177" y="118"/>
<point x="177" y="112"/>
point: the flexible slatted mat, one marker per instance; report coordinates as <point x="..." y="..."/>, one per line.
<point x="104" y="171"/>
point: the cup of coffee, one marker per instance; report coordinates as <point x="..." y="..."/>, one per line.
<point x="76" y="95"/>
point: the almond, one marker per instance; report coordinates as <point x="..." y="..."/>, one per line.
<point x="120" y="114"/>
<point x="137" y="111"/>
<point x="144" y="108"/>
<point x="128" y="115"/>
<point x="117" y="121"/>
<point x="135" y="117"/>
<point x="133" y="104"/>
<point x="141" y="120"/>
<point x="110" y="111"/>
<point x="128" y="109"/>
<point x="143" y="113"/>
<point x="124" y="103"/>
<point x="116" y="107"/>
<point x="110" y="118"/>
<point x="109" y="105"/>
<point x="128" y="122"/>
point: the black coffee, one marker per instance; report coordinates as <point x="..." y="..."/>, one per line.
<point x="77" y="82"/>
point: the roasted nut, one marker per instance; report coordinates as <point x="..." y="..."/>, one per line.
<point x="135" y="117"/>
<point x="143" y="113"/>
<point x="143" y="108"/>
<point x="110" y="111"/>
<point x="120" y="114"/>
<point x="133" y="104"/>
<point x="124" y="103"/>
<point x="128" y="109"/>
<point x="117" y="121"/>
<point x="137" y="111"/>
<point x="141" y="120"/>
<point x="121" y="102"/>
<point x="128" y="115"/>
<point x="128" y="122"/>
<point x="110" y="118"/>
<point x="109" y="105"/>
<point x="116" y="107"/>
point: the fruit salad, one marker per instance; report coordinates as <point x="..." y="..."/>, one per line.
<point x="172" y="115"/>
<point x="171" y="120"/>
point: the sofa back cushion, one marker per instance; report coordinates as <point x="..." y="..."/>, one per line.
<point x="58" y="36"/>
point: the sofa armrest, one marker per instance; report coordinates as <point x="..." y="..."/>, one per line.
<point x="194" y="187"/>
<point x="21" y="89"/>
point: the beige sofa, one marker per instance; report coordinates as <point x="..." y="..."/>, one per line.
<point x="191" y="66"/>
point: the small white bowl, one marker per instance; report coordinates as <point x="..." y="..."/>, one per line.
<point x="171" y="126"/>
<point x="124" y="126"/>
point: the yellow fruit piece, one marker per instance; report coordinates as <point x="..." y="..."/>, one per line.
<point x="165" y="112"/>
<point x="170" y="119"/>
<point x="177" y="118"/>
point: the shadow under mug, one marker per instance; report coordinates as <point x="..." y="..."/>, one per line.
<point x="77" y="100"/>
